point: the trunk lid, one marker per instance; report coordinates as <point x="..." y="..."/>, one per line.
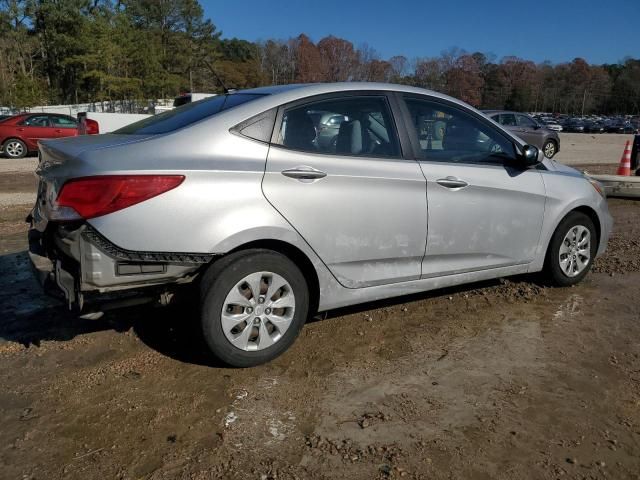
<point x="65" y="154"/>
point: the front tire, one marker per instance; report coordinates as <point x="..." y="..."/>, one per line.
<point x="572" y="250"/>
<point x="550" y="148"/>
<point x="254" y="304"/>
<point x="14" y="148"/>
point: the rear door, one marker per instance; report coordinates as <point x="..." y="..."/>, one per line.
<point x="357" y="202"/>
<point x="64" y="126"/>
<point x="484" y="212"/>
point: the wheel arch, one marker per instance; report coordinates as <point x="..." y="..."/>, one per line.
<point x="589" y="212"/>
<point x="298" y="257"/>
<point x="15" y="137"/>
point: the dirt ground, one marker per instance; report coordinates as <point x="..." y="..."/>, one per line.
<point x="500" y="380"/>
<point x="589" y="148"/>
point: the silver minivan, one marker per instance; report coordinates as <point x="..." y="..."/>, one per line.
<point x="235" y="197"/>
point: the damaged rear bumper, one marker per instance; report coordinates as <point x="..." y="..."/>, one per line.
<point x="76" y="264"/>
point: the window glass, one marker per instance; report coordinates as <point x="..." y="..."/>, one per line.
<point x="187" y="114"/>
<point x="360" y="126"/>
<point x="448" y="134"/>
<point x="525" y="121"/>
<point x="259" y="127"/>
<point x="506" y="119"/>
<point x="63" y="122"/>
<point x="37" y="121"/>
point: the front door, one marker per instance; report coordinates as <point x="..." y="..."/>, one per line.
<point x="484" y="211"/>
<point x="530" y="131"/>
<point x="35" y="128"/>
<point x="354" y="199"/>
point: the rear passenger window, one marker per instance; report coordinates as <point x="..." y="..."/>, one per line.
<point x="448" y="134"/>
<point x="358" y="126"/>
<point x="63" y="122"/>
<point x="506" y="119"/>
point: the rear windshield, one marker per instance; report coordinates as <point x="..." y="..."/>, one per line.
<point x="187" y="114"/>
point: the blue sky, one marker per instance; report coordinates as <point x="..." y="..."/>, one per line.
<point x="601" y="31"/>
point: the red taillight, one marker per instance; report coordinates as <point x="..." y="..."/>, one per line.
<point x="95" y="196"/>
<point x="91" y="127"/>
<point x="87" y="126"/>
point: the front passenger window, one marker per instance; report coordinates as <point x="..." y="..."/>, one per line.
<point x="526" y="122"/>
<point x="448" y="134"/>
<point x="351" y="126"/>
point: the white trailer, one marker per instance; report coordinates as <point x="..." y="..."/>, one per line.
<point x="98" y="122"/>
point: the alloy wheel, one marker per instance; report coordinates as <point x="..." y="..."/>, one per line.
<point x="575" y="251"/>
<point x="14" y="149"/>
<point x="549" y="149"/>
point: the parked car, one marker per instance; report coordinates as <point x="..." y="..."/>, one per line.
<point x="327" y="126"/>
<point x="20" y="134"/>
<point x="593" y="127"/>
<point x="528" y="129"/>
<point x="573" y="126"/>
<point x="620" y="127"/>
<point x="552" y="125"/>
<point x="233" y="197"/>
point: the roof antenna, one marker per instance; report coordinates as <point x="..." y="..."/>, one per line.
<point x="218" y="79"/>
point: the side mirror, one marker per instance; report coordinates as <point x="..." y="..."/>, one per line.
<point x="530" y="155"/>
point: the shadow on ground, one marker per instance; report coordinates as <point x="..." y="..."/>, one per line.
<point x="29" y="317"/>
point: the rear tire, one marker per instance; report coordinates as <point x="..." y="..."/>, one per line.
<point x="14" y="148"/>
<point x="572" y="250"/>
<point x="253" y="305"/>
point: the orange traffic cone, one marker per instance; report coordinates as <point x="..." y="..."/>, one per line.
<point x="625" y="161"/>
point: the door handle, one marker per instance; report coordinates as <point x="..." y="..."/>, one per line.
<point x="20" y="129"/>
<point x="452" y="182"/>
<point x="304" y="173"/>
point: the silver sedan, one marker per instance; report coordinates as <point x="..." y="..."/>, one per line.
<point x="235" y="196"/>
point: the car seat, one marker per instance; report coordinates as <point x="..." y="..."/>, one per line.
<point x="353" y="138"/>
<point x="460" y="136"/>
<point x="300" y="132"/>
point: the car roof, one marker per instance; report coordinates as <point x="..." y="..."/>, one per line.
<point x="302" y="90"/>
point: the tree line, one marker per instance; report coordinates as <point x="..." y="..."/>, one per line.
<point x="76" y="51"/>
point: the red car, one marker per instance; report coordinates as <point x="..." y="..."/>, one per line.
<point x="19" y="134"/>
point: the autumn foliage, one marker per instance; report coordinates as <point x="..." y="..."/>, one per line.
<point x="70" y="51"/>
